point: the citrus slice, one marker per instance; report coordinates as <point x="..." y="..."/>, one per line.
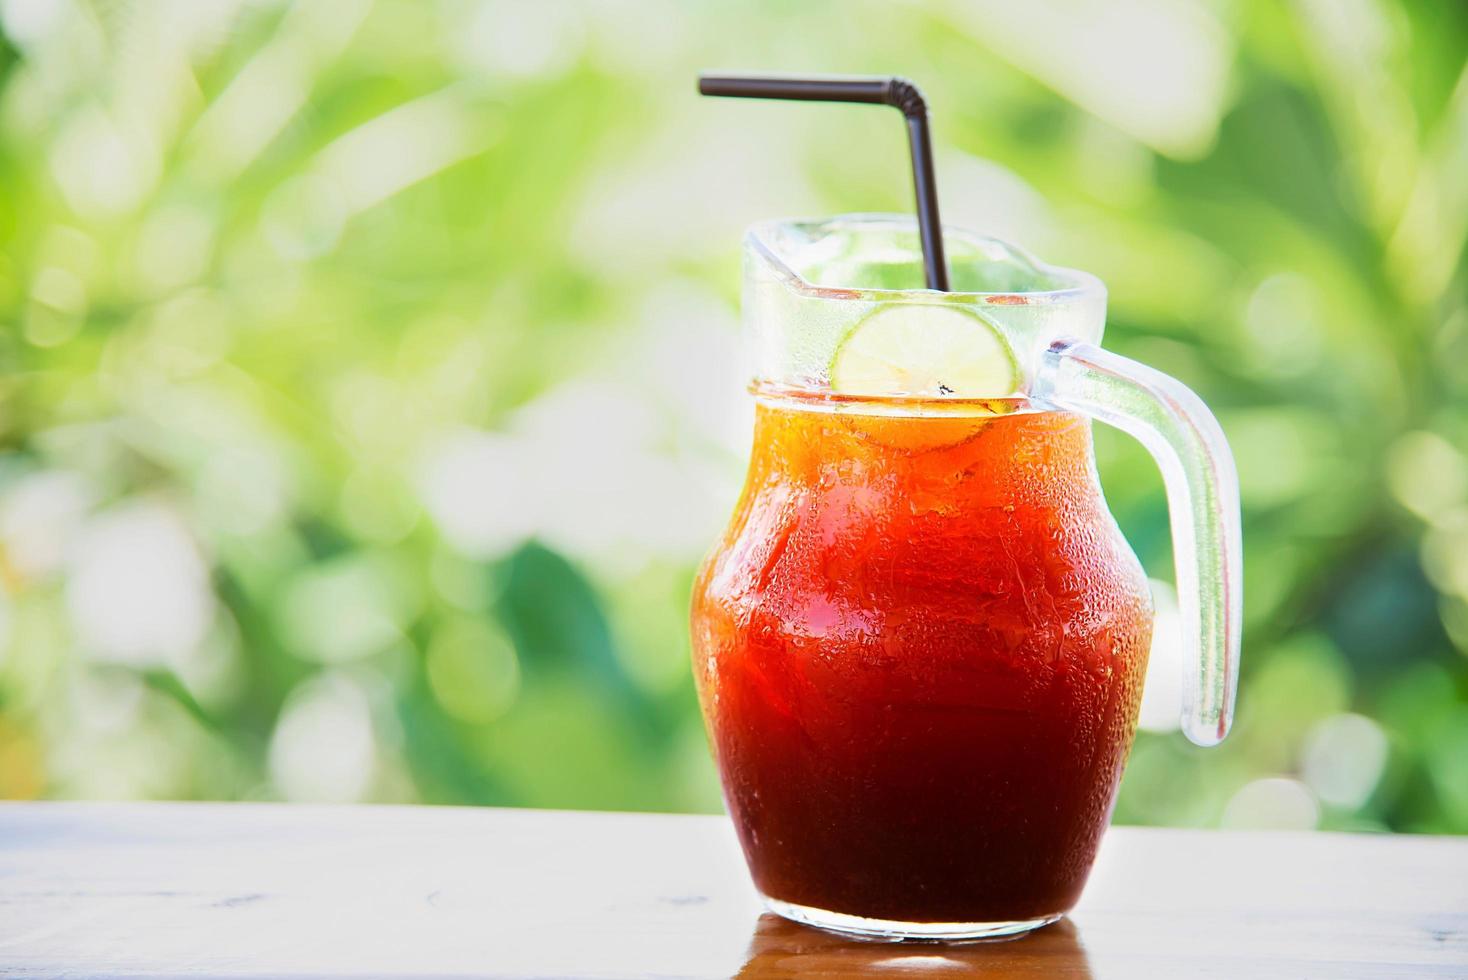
<point x="925" y="350"/>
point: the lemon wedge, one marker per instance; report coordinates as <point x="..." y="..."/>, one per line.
<point x="925" y="350"/>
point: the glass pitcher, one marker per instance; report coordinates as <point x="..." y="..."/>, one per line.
<point x="920" y="644"/>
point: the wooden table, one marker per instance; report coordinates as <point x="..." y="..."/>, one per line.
<point x="248" y="890"/>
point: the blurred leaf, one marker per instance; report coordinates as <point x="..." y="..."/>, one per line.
<point x="556" y="621"/>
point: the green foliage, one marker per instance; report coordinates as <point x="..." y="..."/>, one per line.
<point x="367" y="392"/>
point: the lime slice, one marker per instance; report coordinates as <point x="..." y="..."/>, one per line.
<point x="925" y="350"/>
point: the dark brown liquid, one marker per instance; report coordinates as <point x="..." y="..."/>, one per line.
<point x="920" y="650"/>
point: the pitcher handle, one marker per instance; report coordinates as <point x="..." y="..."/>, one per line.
<point x="1202" y="501"/>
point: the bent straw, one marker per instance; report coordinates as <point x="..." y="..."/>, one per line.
<point x="874" y="90"/>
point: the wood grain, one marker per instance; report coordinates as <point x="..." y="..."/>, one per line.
<point x="202" y="890"/>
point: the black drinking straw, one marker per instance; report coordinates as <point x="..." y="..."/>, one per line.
<point x="873" y="90"/>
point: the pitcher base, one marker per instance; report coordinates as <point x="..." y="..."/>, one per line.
<point x="892" y="930"/>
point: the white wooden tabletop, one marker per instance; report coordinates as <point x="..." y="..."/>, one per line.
<point x="249" y="890"/>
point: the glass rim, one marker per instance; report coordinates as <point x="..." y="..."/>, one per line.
<point x="1080" y="286"/>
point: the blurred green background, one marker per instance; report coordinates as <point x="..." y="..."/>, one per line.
<point x="368" y="385"/>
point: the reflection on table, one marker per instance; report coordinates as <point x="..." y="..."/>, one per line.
<point x="780" y="948"/>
